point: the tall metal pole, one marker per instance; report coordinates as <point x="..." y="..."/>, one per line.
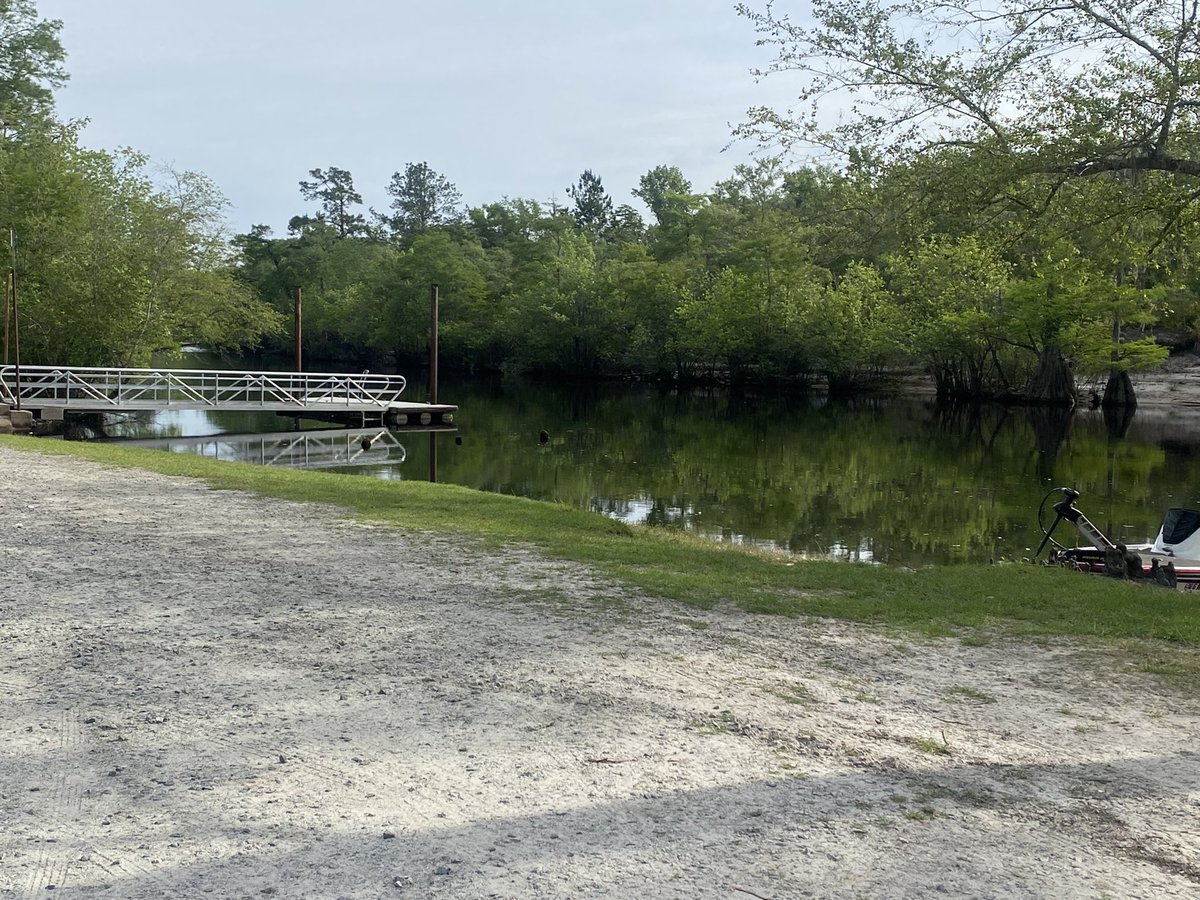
<point x="7" y="310"/>
<point x="12" y="244"/>
<point x="433" y="344"/>
<point x="433" y="376"/>
<point x="299" y="331"/>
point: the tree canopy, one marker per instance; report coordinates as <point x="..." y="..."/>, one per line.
<point x="1071" y="88"/>
<point x="1039" y="128"/>
<point x="421" y="199"/>
<point x="593" y="207"/>
<point x="334" y="189"/>
<point x="31" y="62"/>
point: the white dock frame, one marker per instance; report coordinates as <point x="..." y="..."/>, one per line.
<point x="118" y="390"/>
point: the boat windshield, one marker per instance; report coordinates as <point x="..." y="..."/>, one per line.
<point x="1180" y="533"/>
<point x="1179" y="525"/>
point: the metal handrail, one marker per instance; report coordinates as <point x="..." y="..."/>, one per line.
<point x="128" y="388"/>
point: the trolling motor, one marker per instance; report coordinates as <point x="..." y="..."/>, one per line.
<point x="1103" y="556"/>
<point x="1065" y="509"/>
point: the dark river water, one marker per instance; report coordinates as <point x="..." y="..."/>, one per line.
<point x="900" y="482"/>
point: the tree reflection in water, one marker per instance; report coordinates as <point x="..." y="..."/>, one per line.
<point x="903" y="482"/>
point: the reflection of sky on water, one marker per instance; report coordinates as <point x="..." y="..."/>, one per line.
<point x="641" y="510"/>
<point x="169" y="423"/>
<point x="302" y="449"/>
<point x="193" y="423"/>
<point x="645" y="510"/>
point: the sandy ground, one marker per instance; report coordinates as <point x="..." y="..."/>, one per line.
<point x="1175" y="383"/>
<point x="206" y="694"/>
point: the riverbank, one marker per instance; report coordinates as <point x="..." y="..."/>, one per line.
<point x="209" y="693"/>
<point x="1176" y="383"/>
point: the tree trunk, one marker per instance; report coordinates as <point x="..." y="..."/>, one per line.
<point x="1119" y="391"/>
<point x="943" y="381"/>
<point x="1052" y="383"/>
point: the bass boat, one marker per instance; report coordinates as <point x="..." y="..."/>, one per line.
<point x="1172" y="559"/>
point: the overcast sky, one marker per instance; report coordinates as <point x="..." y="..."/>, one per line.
<point x="504" y="97"/>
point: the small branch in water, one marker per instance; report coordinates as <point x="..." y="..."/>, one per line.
<point x="751" y="893"/>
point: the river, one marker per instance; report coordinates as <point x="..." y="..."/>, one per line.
<point x="895" y="481"/>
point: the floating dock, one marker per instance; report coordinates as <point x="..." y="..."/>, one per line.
<point x="50" y="392"/>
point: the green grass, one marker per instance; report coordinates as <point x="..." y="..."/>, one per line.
<point x="963" y="601"/>
<point x="795" y="694"/>
<point x="931" y="746"/>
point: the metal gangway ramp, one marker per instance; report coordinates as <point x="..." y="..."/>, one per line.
<point x="55" y="390"/>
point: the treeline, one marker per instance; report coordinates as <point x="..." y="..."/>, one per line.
<point x="1010" y="223"/>
<point x="795" y="275"/>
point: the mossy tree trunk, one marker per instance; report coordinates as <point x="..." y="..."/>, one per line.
<point x="1053" y="383"/>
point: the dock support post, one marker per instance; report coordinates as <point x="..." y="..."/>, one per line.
<point x="299" y="329"/>
<point x="433" y="344"/>
<point x="7" y="310"/>
<point x="433" y="377"/>
<point x="12" y="243"/>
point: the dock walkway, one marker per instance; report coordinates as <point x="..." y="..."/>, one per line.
<point x="361" y="399"/>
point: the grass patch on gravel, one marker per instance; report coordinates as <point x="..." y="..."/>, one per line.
<point x="1013" y="599"/>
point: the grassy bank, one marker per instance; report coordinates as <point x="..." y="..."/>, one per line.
<point x="1012" y="599"/>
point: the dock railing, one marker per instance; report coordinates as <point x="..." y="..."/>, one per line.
<point x="342" y="447"/>
<point x="130" y="389"/>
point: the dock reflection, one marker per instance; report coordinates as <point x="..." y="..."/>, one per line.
<point x="310" y="449"/>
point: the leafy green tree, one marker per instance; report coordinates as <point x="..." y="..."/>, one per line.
<point x="669" y="197"/>
<point x="719" y="327"/>
<point x="402" y="292"/>
<point x="852" y="330"/>
<point x="642" y="296"/>
<point x="759" y="233"/>
<point x="1006" y="77"/>
<point x="340" y="317"/>
<point x="1065" y="305"/>
<point x="31" y="62"/>
<point x="593" y="207"/>
<point x="334" y="189"/>
<point x="421" y="199"/>
<point x="216" y="310"/>
<point x="666" y="193"/>
<point x="1008" y="106"/>
<point x="626" y="227"/>
<point x="558" y="318"/>
<point x="114" y="266"/>
<point x="948" y="290"/>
